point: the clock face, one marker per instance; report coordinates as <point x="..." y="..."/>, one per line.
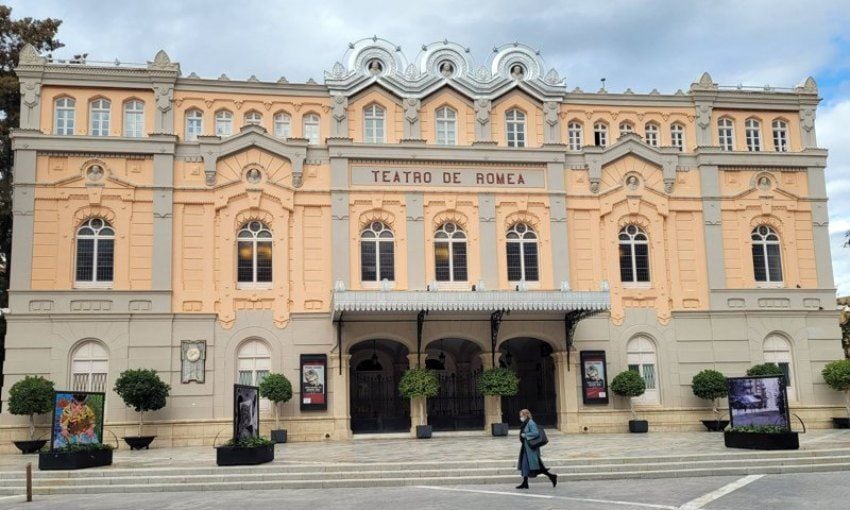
<point x="193" y="354"/>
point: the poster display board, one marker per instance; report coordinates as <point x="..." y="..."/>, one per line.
<point x="594" y="377"/>
<point x="314" y="382"/>
<point x="246" y="412"/>
<point x="758" y="400"/>
<point x="77" y="418"/>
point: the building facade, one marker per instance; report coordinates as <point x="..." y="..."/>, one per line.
<point x="435" y="211"/>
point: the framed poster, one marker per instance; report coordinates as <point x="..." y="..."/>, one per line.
<point x="77" y="418"/>
<point x="314" y="382"/>
<point x="758" y="400"/>
<point x="594" y="377"/>
<point x="246" y="411"/>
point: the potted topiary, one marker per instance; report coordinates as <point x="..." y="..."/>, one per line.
<point x="31" y="395"/>
<point x="711" y="385"/>
<point x="277" y="388"/>
<point x="837" y="377"/>
<point x="765" y="369"/>
<point x="142" y="390"/>
<point x="630" y="384"/>
<point x="418" y="384"/>
<point x="495" y="383"/>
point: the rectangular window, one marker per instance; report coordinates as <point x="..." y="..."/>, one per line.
<point x="780" y="139"/>
<point x="264" y="262"/>
<point x="600" y="137"/>
<point x="786" y="371"/>
<point x="626" y="271"/>
<point x="759" y="266"/>
<point x="514" y="262"/>
<point x="245" y="377"/>
<point x="459" y="257"/>
<point x="441" y="262"/>
<point x="244" y="268"/>
<point x="642" y="262"/>
<point x="530" y="256"/>
<point x="387" y="261"/>
<point x="85" y="260"/>
<point x="193" y="128"/>
<point x="753" y="140"/>
<point x="368" y="257"/>
<point x="105" y="248"/>
<point x="134" y="123"/>
<point x="677" y="139"/>
<point x="774" y="263"/>
<point x="516" y="134"/>
<point x="99" y="123"/>
<point x="649" y="376"/>
<point x="64" y="121"/>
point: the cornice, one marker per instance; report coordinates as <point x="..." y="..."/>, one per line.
<point x="442" y="153"/>
<point x="38" y="141"/>
<point x="717" y="157"/>
<point x="251" y="87"/>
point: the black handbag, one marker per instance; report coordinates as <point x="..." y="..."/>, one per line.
<point x="540" y="440"/>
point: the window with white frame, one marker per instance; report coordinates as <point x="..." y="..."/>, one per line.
<point x="89" y="367"/>
<point x="253" y="364"/>
<point x="642" y="358"/>
<point x="253" y="117"/>
<point x="134" y="118"/>
<point x="64" y="114"/>
<point x="223" y="123"/>
<point x="194" y="125"/>
<point x="575" y="136"/>
<point x="767" y="261"/>
<point x="777" y="350"/>
<point x="752" y="132"/>
<point x="377" y="253"/>
<point x="522" y="258"/>
<point x="446" y="124"/>
<point x="254" y="250"/>
<point x="677" y="136"/>
<point x="780" y="136"/>
<point x="626" y="127"/>
<point x="726" y="134"/>
<point x="515" y="128"/>
<point x="634" y="255"/>
<point x="600" y="134"/>
<point x="651" y="134"/>
<point x="374" y="117"/>
<point x="450" y="253"/>
<point x="99" y="117"/>
<point x="282" y="125"/>
<point x="311" y="128"/>
<point x="95" y="253"/>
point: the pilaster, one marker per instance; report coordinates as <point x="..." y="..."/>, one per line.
<point x="339" y="121"/>
<point x="820" y="227"/>
<point x="566" y="385"/>
<point x="340" y="245"/>
<point x="23" y="212"/>
<point x="552" y="122"/>
<point x="487" y="233"/>
<point x="558" y="224"/>
<point x="415" y="240"/>
<point x="483" y="127"/>
<point x="163" y="221"/>
<point x="712" y="228"/>
<point x="412" y="126"/>
<point x="340" y="385"/>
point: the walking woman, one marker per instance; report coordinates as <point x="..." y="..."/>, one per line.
<point x="530" y="463"/>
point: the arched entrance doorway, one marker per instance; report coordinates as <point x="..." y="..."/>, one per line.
<point x="458" y="406"/>
<point x="532" y="361"/>
<point x="376" y="405"/>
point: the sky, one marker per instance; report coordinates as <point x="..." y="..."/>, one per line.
<point x="637" y="44"/>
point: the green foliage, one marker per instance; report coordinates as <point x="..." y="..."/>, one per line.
<point x="628" y="384"/>
<point x="499" y="382"/>
<point x="759" y="429"/>
<point x="837" y="375"/>
<point x="765" y="369"/>
<point x="71" y="448"/>
<point x="709" y="385"/>
<point x="142" y="389"/>
<point x="248" y="442"/>
<point x="31" y="395"/>
<point x="276" y="387"/>
<point x="419" y="382"/>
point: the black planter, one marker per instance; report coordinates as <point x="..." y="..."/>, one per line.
<point x="638" y="426"/>
<point x="139" y="442"/>
<point x="233" y="456"/>
<point x="761" y="441"/>
<point x="279" y="436"/>
<point x="54" y="461"/>
<point x="30" y="446"/>
<point x="499" y="429"/>
<point x="839" y="423"/>
<point x="424" y="431"/>
<point x="715" y="425"/>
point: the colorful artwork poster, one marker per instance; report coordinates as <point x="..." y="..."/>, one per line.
<point x="314" y="382"/>
<point x="594" y="379"/>
<point x="77" y="418"/>
<point x="246" y="412"/>
<point x="759" y="400"/>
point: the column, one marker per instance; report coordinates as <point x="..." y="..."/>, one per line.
<point x="340" y="230"/>
<point x="418" y="406"/>
<point x="820" y="227"/>
<point x="703" y="124"/>
<point x="552" y="122"/>
<point x="567" y="387"/>
<point x="558" y="225"/>
<point x="487" y="240"/>
<point x="339" y="395"/>
<point x="23" y="210"/>
<point x="712" y="227"/>
<point x="415" y="241"/>
<point x="163" y="220"/>
<point x="492" y="404"/>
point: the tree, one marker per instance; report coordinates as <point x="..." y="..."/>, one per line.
<point x="629" y="384"/>
<point x="142" y="390"/>
<point x="277" y="388"/>
<point x="498" y="382"/>
<point x="837" y="377"/>
<point x="31" y="396"/>
<point x="765" y="369"/>
<point x="419" y="383"/>
<point x="710" y="385"/>
<point x="13" y="35"/>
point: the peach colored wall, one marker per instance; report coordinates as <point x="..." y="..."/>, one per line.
<point x="664" y="118"/>
<point x="84" y="96"/>
<point x="739" y="117"/>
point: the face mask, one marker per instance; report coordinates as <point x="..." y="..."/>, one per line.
<point x="523" y="418"/>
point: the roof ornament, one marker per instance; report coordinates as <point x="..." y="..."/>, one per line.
<point x="411" y="73"/>
<point x="282" y="79"/>
<point x="809" y="86"/>
<point x="253" y="78"/>
<point x="161" y="58"/>
<point x="223" y="77"/>
<point x="337" y="71"/>
<point x="552" y="77"/>
<point x="193" y="75"/>
<point x="29" y="56"/>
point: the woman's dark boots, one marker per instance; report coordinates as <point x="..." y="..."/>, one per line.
<point x="524" y="484"/>
<point x="552" y="478"/>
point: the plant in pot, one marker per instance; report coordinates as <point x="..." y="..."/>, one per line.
<point x="30" y="396"/>
<point x="143" y="390"/>
<point x="630" y="384"/>
<point x="711" y="385"/>
<point x="495" y="383"/>
<point x="418" y="384"/>
<point x="278" y="389"/>
<point x="765" y="369"/>
<point x="837" y="377"/>
<point x="248" y="451"/>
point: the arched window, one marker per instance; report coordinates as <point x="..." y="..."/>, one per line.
<point x="521" y="247"/>
<point x="194" y="125"/>
<point x="134" y="118"/>
<point x="600" y="134"/>
<point x="373" y="124"/>
<point x="515" y="128"/>
<point x="95" y="253"/>
<point x="726" y="134"/>
<point x="99" y="117"/>
<point x="767" y="261"/>
<point x="643" y="360"/>
<point x="634" y="255"/>
<point x="282" y="125"/>
<point x="446" y="124"/>
<point x="223" y="123"/>
<point x="651" y="134"/>
<point x="777" y="350"/>
<point x="377" y="253"/>
<point x="575" y="136"/>
<point x="780" y="136"/>
<point x="677" y="136"/>
<point x="254" y="249"/>
<point x="626" y="127"/>
<point x="752" y="130"/>
<point x="89" y="367"/>
<point x="450" y="253"/>
<point x="63" y="116"/>
<point x="311" y="128"/>
<point x="253" y="117"/>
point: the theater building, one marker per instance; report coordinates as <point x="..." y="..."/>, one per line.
<point x="436" y="211"/>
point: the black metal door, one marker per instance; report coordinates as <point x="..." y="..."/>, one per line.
<point x="536" y="393"/>
<point x="376" y="405"/>
<point x="458" y="406"/>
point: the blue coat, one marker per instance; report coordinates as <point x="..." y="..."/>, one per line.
<point x="531" y="432"/>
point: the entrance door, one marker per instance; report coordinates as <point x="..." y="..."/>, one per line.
<point x="375" y="403"/>
<point x="532" y="361"/>
<point x="458" y="405"/>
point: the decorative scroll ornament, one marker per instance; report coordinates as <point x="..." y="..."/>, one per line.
<point x="193" y="357"/>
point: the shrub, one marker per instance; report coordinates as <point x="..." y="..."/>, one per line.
<point x="248" y="442"/>
<point x="142" y="390"/>
<point x="498" y="382"/>
<point x="837" y="377"/>
<point x="765" y="369"/>
<point x="277" y="388"/>
<point x="419" y="383"/>
<point x="710" y="385"/>
<point x="31" y="395"/>
<point x="759" y="429"/>
<point x="629" y="384"/>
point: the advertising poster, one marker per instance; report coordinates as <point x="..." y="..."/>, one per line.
<point x="761" y="400"/>
<point x="77" y="418"/>
<point x="246" y="412"/>
<point x="594" y="377"/>
<point x="314" y="382"/>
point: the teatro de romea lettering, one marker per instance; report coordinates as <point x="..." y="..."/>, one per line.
<point x="424" y="208"/>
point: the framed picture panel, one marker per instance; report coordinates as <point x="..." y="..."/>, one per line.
<point x="594" y="378"/>
<point x="77" y="418"/>
<point x="246" y="412"/>
<point x="758" y="400"/>
<point x="314" y="382"/>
